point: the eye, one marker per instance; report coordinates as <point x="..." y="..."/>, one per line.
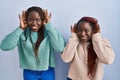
<point x="38" y="19"/>
<point x="86" y="30"/>
<point x="79" y="30"/>
<point x="30" y="20"/>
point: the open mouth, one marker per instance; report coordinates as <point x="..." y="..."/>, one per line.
<point x="34" y="27"/>
<point x="83" y="38"/>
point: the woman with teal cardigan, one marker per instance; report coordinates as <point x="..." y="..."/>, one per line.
<point x="36" y="40"/>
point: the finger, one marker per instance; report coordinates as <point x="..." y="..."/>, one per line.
<point x="46" y="12"/>
<point x="43" y="11"/>
<point x="50" y="15"/>
<point x="23" y="14"/>
<point x="97" y="25"/>
<point x="75" y="25"/>
<point x="71" y="29"/>
<point x="19" y="16"/>
<point x="98" y="28"/>
<point x="72" y="26"/>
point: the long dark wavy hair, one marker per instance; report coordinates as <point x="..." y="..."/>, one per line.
<point x="40" y="31"/>
<point x="92" y="57"/>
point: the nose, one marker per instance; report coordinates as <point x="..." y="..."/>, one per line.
<point x="34" y="22"/>
<point x="83" y="33"/>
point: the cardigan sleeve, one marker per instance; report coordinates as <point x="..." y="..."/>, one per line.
<point x="11" y="40"/>
<point x="103" y="49"/>
<point x="56" y="40"/>
<point x="69" y="50"/>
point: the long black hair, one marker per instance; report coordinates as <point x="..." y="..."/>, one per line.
<point x="40" y="31"/>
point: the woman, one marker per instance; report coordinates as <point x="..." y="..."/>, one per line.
<point x="36" y="40"/>
<point x="87" y="51"/>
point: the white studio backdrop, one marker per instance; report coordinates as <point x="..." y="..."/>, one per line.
<point x="64" y="14"/>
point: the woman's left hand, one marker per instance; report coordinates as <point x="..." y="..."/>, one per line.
<point x="97" y="29"/>
<point x="47" y="17"/>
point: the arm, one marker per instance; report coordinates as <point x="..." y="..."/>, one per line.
<point x="56" y="40"/>
<point x="10" y="41"/>
<point x="69" y="50"/>
<point x="103" y="49"/>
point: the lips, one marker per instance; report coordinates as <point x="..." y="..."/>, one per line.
<point x="83" y="37"/>
<point x="34" y="27"/>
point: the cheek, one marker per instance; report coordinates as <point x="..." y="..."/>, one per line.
<point x="40" y="23"/>
<point x="90" y="35"/>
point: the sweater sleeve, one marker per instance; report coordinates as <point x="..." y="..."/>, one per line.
<point x="103" y="49"/>
<point x="56" y="40"/>
<point x="10" y="41"/>
<point x="69" y="50"/>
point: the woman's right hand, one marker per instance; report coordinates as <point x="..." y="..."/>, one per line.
<point x="23" y="22"/>
<point x="73" y="28"/>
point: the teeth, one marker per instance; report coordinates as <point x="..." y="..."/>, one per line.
<point x="34" y="27"/>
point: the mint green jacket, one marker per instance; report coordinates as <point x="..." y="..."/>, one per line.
<point x="52" y="42"/>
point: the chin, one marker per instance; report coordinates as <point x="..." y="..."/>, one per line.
<point x="84" y="40"/>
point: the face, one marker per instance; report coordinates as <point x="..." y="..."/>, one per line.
<point x="34" y="21"/>
<point x="84" y="31"/>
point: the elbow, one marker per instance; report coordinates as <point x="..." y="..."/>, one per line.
<point x="111" y="59"/>
<point x="65" y="59"/>
<point x="60" y="48"/>
<point x="4" y="48"/>
<point x="108" y="60"/>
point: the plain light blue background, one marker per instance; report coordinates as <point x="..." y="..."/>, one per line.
<point x="64" y="14"/>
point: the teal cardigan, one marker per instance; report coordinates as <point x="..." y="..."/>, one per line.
<point x="52" y="42"/>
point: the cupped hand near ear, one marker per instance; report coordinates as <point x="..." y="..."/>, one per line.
<point x="74" y="28"/>
<point x="97" y="29"/>
<point x="47" y="17"/>
<point x="22" y="19"/>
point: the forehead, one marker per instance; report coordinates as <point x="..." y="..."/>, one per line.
<point x="33" y="14"/>
<point x="84" y="25"/>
